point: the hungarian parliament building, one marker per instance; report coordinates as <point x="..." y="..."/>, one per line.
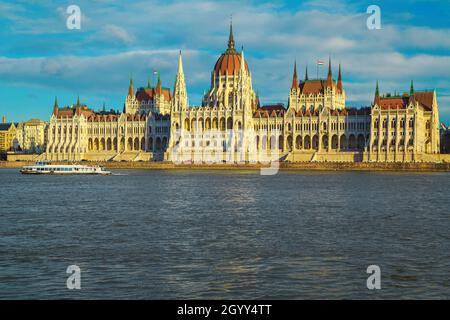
<point x="157" y="124"/>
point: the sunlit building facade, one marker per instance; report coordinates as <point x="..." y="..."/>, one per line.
<point x="230" y="125"/>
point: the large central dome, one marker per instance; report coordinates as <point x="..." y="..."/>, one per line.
<point x="230" y="61"/>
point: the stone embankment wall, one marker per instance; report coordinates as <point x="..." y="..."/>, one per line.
<point x="325" y="166"/>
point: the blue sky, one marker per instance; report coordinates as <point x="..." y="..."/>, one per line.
<point x="41" y="58"/>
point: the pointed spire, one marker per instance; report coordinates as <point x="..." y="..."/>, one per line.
<point x="339" y="84"/>
<point x="306" y="73"/>
<point x="149" y="86"/>
<point x="411" y="93"/>
<point x="130" y="88"/>
<point x="329" y="67"/>
<point x="179" y="89"/>
<point x="158" y="85"/>
<point x="377" y="95"/>
<point x="179" y="78"/>
<point x="55" y="106"/>
<point x="242" y="60"/>
<point x="180" y="64"/>
<point x="330" y="75"/>
<point x="78" y="101"/>
<point x="231" y="38"/>
<point x="294" y="77"/>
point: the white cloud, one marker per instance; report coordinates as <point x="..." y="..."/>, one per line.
<point x="145" y="35"/>
<point x="111" y="32"/>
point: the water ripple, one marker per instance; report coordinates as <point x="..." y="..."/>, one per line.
<point x="225" y="235"/>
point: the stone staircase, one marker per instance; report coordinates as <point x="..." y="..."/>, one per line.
<point x="125" y="156"/>
<point x="132" y="156"/>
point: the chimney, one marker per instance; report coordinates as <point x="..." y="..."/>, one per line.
<point x="4" y="119"/>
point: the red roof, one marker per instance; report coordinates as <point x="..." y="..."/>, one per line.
<point x="229" y="62"/>
<point x="424" y="98"/>
<point x="272" y="107"/>
<point x="69" y="112"/>
<point x="146" y="94"/>
<point x="393" y="103"/>
<point x="149" y="93"/>
<point x="313" y="86"/>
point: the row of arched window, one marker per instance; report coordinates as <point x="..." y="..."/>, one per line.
<point x="393" y="123"/>
<point x="207" y="124"/>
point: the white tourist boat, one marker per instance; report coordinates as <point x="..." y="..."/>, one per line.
<point x="43" y="167"/>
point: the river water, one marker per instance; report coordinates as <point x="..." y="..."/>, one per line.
<point x="225" y="235"/>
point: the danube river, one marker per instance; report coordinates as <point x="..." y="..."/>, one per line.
<point x="225" y="235"/>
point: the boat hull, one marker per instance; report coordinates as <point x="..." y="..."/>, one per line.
<point x="103" y="173"/>
<point x="63" y="170"/>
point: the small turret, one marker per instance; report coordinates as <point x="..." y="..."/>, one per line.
<point x="55" y="106"/>
<point x="294" y="77"/>
<point x="412" y="98"/>
<point x="330" y="75"/>
<point x="158" y="85"/>
<point x="376" y="100"/>
<point x="339" y="84"/>
<point x="131" y="88"/>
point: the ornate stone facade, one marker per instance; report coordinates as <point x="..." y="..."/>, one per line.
<point x="231" y="126"/>
<point x="78" y="133"/>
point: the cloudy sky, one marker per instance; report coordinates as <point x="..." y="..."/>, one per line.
<point x="40" y="58"/>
